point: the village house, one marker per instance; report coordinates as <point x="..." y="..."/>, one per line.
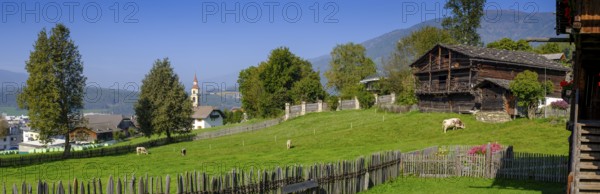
<point x="12" y="140"/>
<point x="31" y="140"/>
<point x="460" y="78"/>
<point x="558" y="57"/>
<point x="101" y="128"/>
<point x="204" y="116"/>
<point x="373" y="82"/>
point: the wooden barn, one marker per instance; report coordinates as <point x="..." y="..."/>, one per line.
<point x="460" y="78"/>
<point x="580" y="20"/>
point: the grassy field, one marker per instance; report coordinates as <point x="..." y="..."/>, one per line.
<point x="320" y="137"/>
<point x="464" y="185"/>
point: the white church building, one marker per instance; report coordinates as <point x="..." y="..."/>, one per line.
<point x="204" y="116"/>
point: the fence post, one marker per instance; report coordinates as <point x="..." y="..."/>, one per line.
<point x="303" y="112"/>
<point x="457" y="162"/>
<point x="287" y="111"/>
<point x="339" y="107"/>
<point x="376" y="99"/>
<point x="319" y="105"/>
<point x="488" y="160"/>
<point x="393" y="98"/>
<point x="356" y="103"/>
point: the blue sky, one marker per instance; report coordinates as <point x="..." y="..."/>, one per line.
<point x="203" y="37"/>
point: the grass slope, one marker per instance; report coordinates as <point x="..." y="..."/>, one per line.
<point x="320" y="137"/>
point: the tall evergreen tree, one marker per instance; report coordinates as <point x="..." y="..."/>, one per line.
<point x="163" y="106"/>
<point x="465" y="19"/>
<point x="349" y="64"/>
<point x="55" y="87"/>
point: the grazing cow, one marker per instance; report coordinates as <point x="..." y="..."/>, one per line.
<point x="289" y="144"/>
<point x="183" y="152"/>
<point x="452" y="123"/>
<point x="141" y="150"/>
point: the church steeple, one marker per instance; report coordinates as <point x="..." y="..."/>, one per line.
<point x="195" y="95"/>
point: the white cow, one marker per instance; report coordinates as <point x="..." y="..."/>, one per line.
<point x="289" y="144"/>
<point x="141" y="150"/>
<point x="452" y="123"/>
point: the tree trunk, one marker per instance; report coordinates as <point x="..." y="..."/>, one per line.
<point x="169" y="136"/>
<point x="531" y="112"/>
<point x="67" y="152"/>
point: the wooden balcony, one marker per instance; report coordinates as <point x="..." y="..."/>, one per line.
<point x="436" y="87"/>
<point x="582" y="16"/>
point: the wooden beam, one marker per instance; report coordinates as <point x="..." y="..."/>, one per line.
<point x="430" y="81"/>
<point x="548" y="40"/>
<point x="448" y="80"/>
<point x="439" y="57"/>
<point x="470" y="71"/>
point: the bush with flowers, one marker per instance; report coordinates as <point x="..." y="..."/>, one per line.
<point x="481" y="149"/>
<point x="561" y="104"/>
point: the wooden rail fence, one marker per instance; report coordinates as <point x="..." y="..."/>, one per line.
<point x="340" y="177"/>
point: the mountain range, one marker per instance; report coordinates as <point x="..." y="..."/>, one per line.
<point x="495" y="25"/>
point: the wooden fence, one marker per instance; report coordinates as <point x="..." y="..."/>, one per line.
<point x="385" y="99"/>
<point x="340" y="177"/>
<point x="238" y="129"/>
<point x="449" y="161"/>
<point x="352" y="104"/>
<point x="292" y="111"/>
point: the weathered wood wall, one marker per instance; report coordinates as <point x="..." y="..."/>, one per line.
<point x="492" y="98"/>
<point x="442" y="75"/>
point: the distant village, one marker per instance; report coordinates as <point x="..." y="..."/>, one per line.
<point x="100" y="129"/>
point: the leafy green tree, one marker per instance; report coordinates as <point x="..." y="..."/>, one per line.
<point x="465" y="19"/>
<point x="284" y="77"/>
<point x="349" y="64"/>
<point x="163" y="106"/>
<point x="251" y="89"/>
<point x="528" y="91"/>
<point x="399" y="77"/>
<point x="548" y="86"/>
<point x="4" y="127"/>
<point x="55" y="87"/>
<point x="419" y="42"/>
<point x="511" y="45"/>
<point x="308" y="89"/>
<point x="233" y="117"/>
<point x="548" y="48"/>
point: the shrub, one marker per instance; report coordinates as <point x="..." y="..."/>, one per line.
<point x="332" y="102"/>
<point x="561" y="104"/>
<point x="480" y="149"/>
<point x="366" y="99"/>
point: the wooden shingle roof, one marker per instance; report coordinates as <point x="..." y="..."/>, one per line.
<point x="521" y="58"/>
